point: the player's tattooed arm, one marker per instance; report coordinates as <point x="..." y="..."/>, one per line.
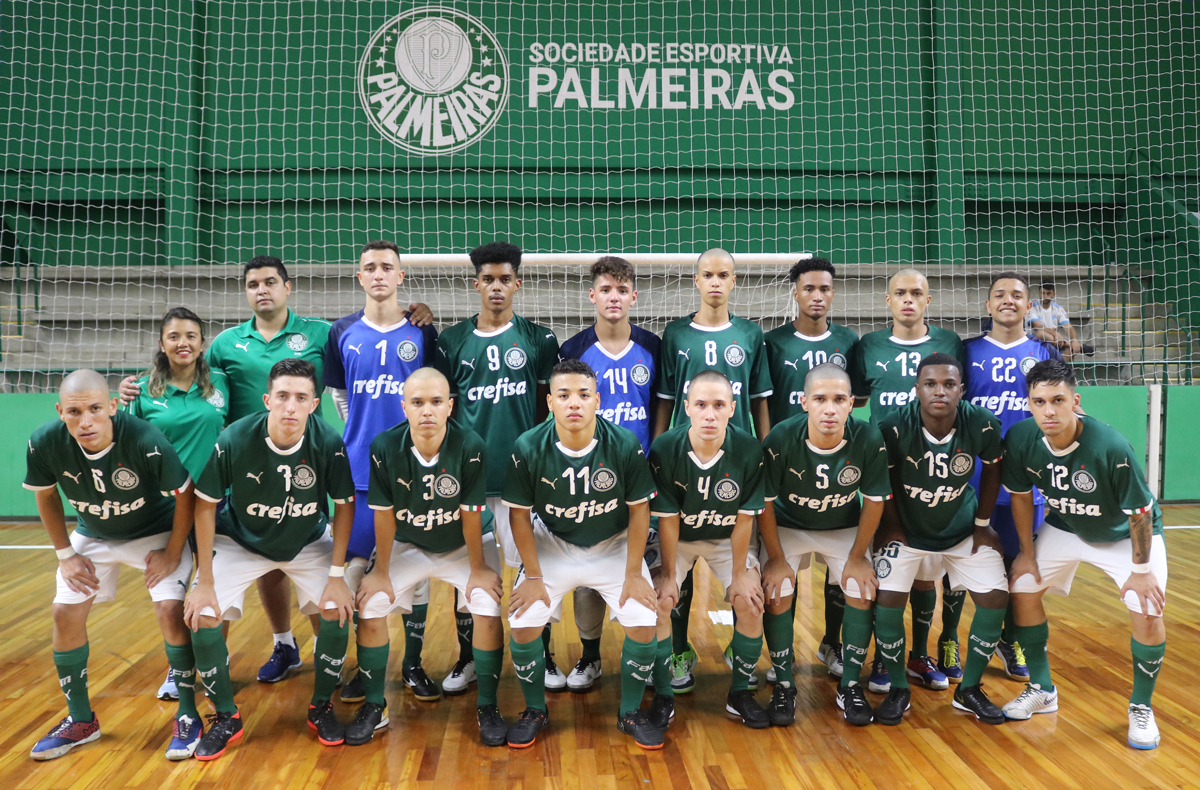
<point x="77" y="571"/>
<point x="1145" y="585"/>
<point x="1141" y="527"/>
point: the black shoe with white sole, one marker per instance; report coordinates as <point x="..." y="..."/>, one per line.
<point x="781" y="710"/>
<point x="371" y="717"/>
<point x="743" y="706"/>
<point x="853" y="702"/>
<point x="973" y="700"/>
<point x="891" y="710"/>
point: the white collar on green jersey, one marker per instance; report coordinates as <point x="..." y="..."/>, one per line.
<point x="916" y="342"/>
<point x="720" y="328"/>
<point x="562" y="448"/>
<point x="712" y="461"/>
<point x="421" y="459"/>
<point x="830" y="451"/>
<point x="1074" y="445"/>
<point x="624" y="351"/>
<point x="930" y="437"/>
<point x="493" y="333"/>
<point x="998" y="344"/>
<point x="100" y="454"/>
<point x="295" y="448"/>
<point x="379" y="328"/>
<point x="812" y="339"/>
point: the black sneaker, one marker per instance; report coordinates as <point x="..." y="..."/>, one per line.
<point x="891" y="710"/>
<point x="973" y="700"/>
<point x="781" y="710"/>
<point x="324" y="721"/>
<point x="371" y="717"/>
<point x="422" y="687"/>
<point x="223" y="729"/>
<point x="853" y="701"/>
<point x="493" y="729"/>
<point x="644" y="733"/>
<point x="354" y="691"/>
<point x="662" y="711"/>
<point x="523" y="732"/>
<point x="742" y="705"/>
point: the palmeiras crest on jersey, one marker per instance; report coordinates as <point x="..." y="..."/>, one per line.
<point x="446" y="486"/>
<point x="297" y="342"/>
<point x="216" y="400"/>
<point x="304" y="476"/>
<point x="125" y="479"/>
<point x="603" y="479"/>
<point x="433" y="80"/>
<point x="961" y="464"/>
<point x="726" y="490"/>
<point x="848" y="476"/>
<point x="839" y="360"/>
<point x="1027" y="364"/>
<point x="514" y="358"/>
<point x="735" y="356"/>
<point x="640" y="374"/>
<point x="407" y="350"/>
<point x="1083" y="482"/>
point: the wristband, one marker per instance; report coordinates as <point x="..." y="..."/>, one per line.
<point x="337" y="571"/>
<point x="1141" y="567"/>
<point x="69" y="552"/>
<point x="983" y="522"/>
<point x="537" y="578"/>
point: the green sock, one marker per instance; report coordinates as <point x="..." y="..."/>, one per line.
<point x="72" y="679"/>
<point x="637" y="664"/>
<point x="835" y="608"/>
<point x="591" y="648"/>
<point x="779" y="631"/>
<point x="414" y="635"/>
<point x="981" y="643"/>
<point x="328" y="659"/>
<point x="923" y="603"/>
<point x="679" y="618"/>
<point x="212" y="668"/>
<point x="662" y="668"/>
<point x="746" y="650"/>
<point x="183" y="669"/>
<point x="889" y="642"/>
<point x="1009" y="634"/>
<point x="529" y="660"/>
<point x="372" y="665"/>
<point x="546" y="640"/>
<point x="1147" y="661"/>
<point x="1033" y="640"/>
<point x="856" y="638"/>
<point x="487" y="674"/>
<point x="952" y="609"/>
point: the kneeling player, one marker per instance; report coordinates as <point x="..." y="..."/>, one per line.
<point x="816" y="466"/>
<point x="429" y="492"/>
<point x="932" y="446"/>
<point x="579" y="494"/>
<point x="278" y="467"/>
<point x="1099" y="511"/>
<point x="135" y="503"/>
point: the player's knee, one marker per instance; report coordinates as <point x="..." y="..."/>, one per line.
<point x="857" y="603"/>
<point x="523" y="636"/>
<point x="69" y="616"/>
<point x="921" y="584"/>
<point x="641" y="633"/>
<point x="212" y="622"/>
<point x="995" y="599"/>
<point x="372" y="630"/>
<point x="784" y="605"/>
<point x="892" y="599"/>
<point x="170" y="619"/>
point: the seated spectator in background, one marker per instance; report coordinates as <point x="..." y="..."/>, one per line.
<point x="1048" y="321"/>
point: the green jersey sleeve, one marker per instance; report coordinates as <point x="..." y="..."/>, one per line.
<point x="876" y="482"/>
<point x="666" y="384"/>
<point x="987" y="427"/>
<point x="663" y="472"/>
<point x="547" y="355"/>
<point x="474" y="473"/>
<point x="518" y="487"/>
<point x="442" y="358"/>
<point x="217" y="476"/>
<point x="38" y="474"/>
<point x="341" y="481"/>
<point x="640" y="486"/>
<point x="753" y="499"/>
<point x="1129" y="484"/>
<point x="760" y="372"/>
<point x="163" y="461"/>
<point x="856" y="367"/>
<point x="1016" y="475"/>
<point x="379" y="488"/>
<point x="773" y="466"/>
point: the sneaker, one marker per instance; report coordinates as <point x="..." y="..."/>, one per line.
<point x="948" y="663"/>
<point x="1013" y="658"/>
<point x="856" y="709"/>
<point x="354" y="691"/>
<point x="330" y="731"/>
<point x="771" y="675"/>
<point x="460" y="678"/>
<point x="925" y="672"/>
<point x="223" y="729"/>
<point x="891" y="710"/>
<point x="881" y="681"/>
<point x="555" y="680"/>
<point x="644" y="733"/>
<point x="284" y="660"/>
<point x="662" y="711"/>
<point x="973" y="700"/>
<point x="493" y="729"/>
<point x="743" y="706"/>
<point x="831" y="656"/>
<point x="1030" y="701"/>
<point x="1143" y="732"/>
<point x="752" y="681"/>
<point x="185" y="736"/>
<point x="168" y="690"/>
<point x="422" y="687"/>
<point x="584" y="675"/>
<point x="682" y="667"/>
<point x="68" y="734"/>
<point x="371" y="716"/>
<point x="781" y="710"/>
<point x="523" y="732"/>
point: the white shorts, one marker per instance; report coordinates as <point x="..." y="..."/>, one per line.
<point x="717" y="553"/>
<point x="109" y="555"/>
<point x="503" y="532"/>
<point x="897" y="566"/>
<point x="235" y="568"/>
<point x="566" y="566"/>
<point x="412" y="567"/>
<point x="1059" y="553"/>
<point x="831" y="545"/>
<point x="357" y="568"/>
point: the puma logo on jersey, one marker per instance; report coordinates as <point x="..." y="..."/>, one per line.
<point x="917" y="464"/>
<point x="74" y="477"/>
<point x="516" y="461"/>
<point x="356" y="348"/>
<point x="681" y="485"/>
<point x="549" y="482"/>
<point x="470" y="364"/>
<point x="342" y="453"/>
<point x="378" y="463"/>
<point x="986" y="428"/>
<point x="156" y="452"/>
<point x="977" y="365"/>
<point x="1124" y="463"/>
<point x="162" y="403"/>
<point x="255" y="477"/>
<point x="220" y="452"/>
<point x="883" y="365"/>
<point x="792" y="365"/>
<point x="407" y="484"/>
<point x="684" y="353"/>
<point x="799" y="475"/>
<point x="243" y="346"/>
<point x="774" y="455"/>
<point x="475" y="460"/>
<point x="1037" y="472"/>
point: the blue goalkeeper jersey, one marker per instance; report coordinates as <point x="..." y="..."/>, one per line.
<point x="624" y="382"/>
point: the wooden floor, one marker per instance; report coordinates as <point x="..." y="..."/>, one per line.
<point x="435" y="745"/>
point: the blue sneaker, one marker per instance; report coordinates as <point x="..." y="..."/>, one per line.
<point x="948" y="663"/>
<point x="1013" y="658"/>
<point x="65" y="736"/>
<point x="184" y="738"/>
<point x="284" y="660"/>
<point x="881" y="681"/>
<point x="925" y="672"/>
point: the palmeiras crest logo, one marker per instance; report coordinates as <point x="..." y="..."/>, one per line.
<point x="726" y="490"/>
<point x="1083" y="482"/>
<point x="304" y="477"/>
<point x="125" y="478"/>
<point x="297" y="342"/>
<point x="446" y="486"/>
<point x="1027" y="364"/>
<point x="848" y="476"/>
<point x="433" y="80"/>
<point x="407" y="350"/>
<point x="640" y="374"/>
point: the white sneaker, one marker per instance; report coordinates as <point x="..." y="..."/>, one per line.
<point x="555" y="681"/>
<point x="584" y="675"/>
<point x="771" y="675"/>
<point x="1030" y="701"/>
<point x="831" y="657"/>
<point x="462" y="676"/>
<point x="168" y="690"/>
<point x="1143" y="732"/>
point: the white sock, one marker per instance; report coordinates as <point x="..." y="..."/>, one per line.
<point x="285" y="638"/>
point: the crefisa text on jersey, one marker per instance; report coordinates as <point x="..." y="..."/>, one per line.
<point x="383" y="384"/>
<point x="108" y="507"/>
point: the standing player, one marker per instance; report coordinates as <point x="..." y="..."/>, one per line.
<point x="579" y="491"/>
<point x="134" y="500"/>
<point x="709" y="339"/>
<point x="932" y="447"/>
<point x="841" y="457"/>
<point x="625" y="358"/>
<point x="498" y="364"/>
<point x="1100" y="512"/>
<point x="368" y="357"/>
<point x="279" y="467"/>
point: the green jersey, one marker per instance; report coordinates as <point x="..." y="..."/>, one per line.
<point x="190" y="421"/>
<point x="581" y="496"/>
<point x="125" y="491"/>
<point x="495" y="376"/>
<point x="707" y="497"/>
<point x="936" y="501"/>
<point x="735" y="349"/>
<point x="277" y="498"/>
<point x="246" y="359"/>
<point x="817" y="489"/>
<point x="429" y="496"/>
<point x="790" y="355"/>
<point x="885" y="367"/>
<point x="1091" y="488"/>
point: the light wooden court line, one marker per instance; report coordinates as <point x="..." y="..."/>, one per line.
<point x="434" y="746"/>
